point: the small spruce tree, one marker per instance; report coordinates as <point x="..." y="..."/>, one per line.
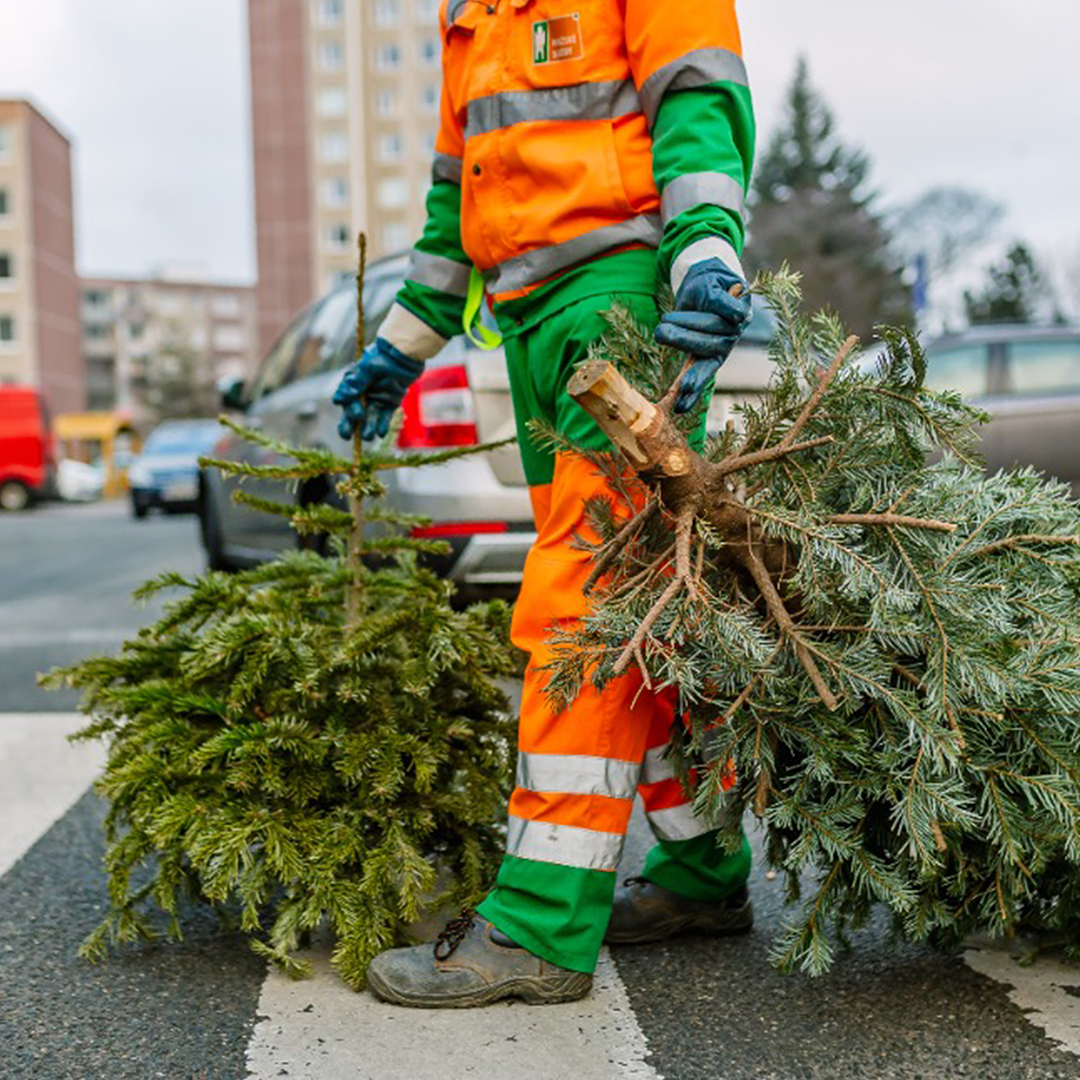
<point x="315" y="740"/>
<point x="882" y="641"/>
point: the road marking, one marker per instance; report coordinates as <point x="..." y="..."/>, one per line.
<point x="1047" y="991"/>
<point x="42" y="775"/>
<point x="319" y="1029"/>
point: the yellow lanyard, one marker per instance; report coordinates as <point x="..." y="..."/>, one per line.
<point x="475" y="330"/>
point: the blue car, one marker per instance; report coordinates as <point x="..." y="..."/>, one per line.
<point x="166" y="473"/>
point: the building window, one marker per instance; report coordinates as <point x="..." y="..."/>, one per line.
<point x="333" y="101"/>
<point x="7" y="328"/>
<point x="391" y="147"/>
<point x="386" y="101"/>
<point x="6" y="269"/>
<point x="334" y="148"/>
<point x="5" y="204"/>
<point x="395" y="236"/>
<point x="387" y="12"/>
<point x="5" y="141"/>
<point x="335" y="191"/>
<point x="429" y="98"/>
<point x="393" y="193"/>
<point x="427" y="141"/>
<point x="429" y="52"/>
<point x="226" y="306"/>
<point x="427" y="11"/>
<point x="337" y="237"/>
<point x="331" y="56"/>
<point x="97" y="330"/>
<point x="329" y="12"/>
<point x="388" y="57"/>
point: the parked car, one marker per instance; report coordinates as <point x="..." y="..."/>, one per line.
<point x="478" y="504"/>
<point x="27" y="448"/>
<point x="166" y="473"/>
<point x="76" y="481"/>
<point x="1028" y="379"/>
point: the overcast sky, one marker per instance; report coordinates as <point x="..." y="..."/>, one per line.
<point x="153" y="93"/>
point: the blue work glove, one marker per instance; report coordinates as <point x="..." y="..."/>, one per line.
<point x="373" y="388"/>
<point x="707" y="322"/>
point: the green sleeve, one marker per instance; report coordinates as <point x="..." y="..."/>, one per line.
<point x="703" y="150"/>
<point x="438" y="275"/>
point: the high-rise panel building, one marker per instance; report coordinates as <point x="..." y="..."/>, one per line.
<point x="345" y="108"/>
<point x="39" y="292"/>
<point x="173" y="334"/>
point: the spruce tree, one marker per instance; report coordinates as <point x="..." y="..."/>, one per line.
<point x="881" y="641"/>
<point x="1016" y="290"/>
<point x="318" y="740"/>
<point x="810" y="208"/>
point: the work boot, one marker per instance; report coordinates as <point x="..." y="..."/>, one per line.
<point x="471" y="964"/>
<point x="644" y="911"/>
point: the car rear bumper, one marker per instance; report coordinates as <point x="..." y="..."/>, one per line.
<point x="492" y="559"/>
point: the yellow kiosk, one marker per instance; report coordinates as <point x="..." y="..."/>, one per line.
<point x="104" y="438"/>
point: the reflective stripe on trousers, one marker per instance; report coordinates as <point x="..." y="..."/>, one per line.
<point x="578" y="770"/>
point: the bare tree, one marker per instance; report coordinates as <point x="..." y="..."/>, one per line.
<point x="944" y="224"/>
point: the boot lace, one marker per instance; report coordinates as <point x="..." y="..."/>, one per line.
<point x="453" y="934"/>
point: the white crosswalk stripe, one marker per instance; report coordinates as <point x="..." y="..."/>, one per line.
<point x="41" y="776"/>
<point x="319" y="1029"/>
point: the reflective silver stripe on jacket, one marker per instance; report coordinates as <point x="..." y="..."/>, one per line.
<point x="533" y="266"/>
<point x="439" y="272"/>
<point x="446" y="167"/>
<point x="585" y="101"/>
<point x="696" y="68"/>
<point x="655" y="767"/>
<point x="578" y="774"/>
<point x="566" y="845"/>
<point x="678" y="823"/>
<point x="695" y="189"/>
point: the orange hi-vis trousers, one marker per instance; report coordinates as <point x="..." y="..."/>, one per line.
<point x="579" y="769"/>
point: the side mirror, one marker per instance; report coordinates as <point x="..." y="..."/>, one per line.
<point x="231" y="392"/>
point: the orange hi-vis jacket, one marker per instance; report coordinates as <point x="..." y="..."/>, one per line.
<point x="571" y="129"/>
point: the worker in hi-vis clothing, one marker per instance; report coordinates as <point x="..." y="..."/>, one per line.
<point x="588" y="150"/>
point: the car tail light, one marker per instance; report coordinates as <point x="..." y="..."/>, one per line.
<point x="439" y="410"/>
<point x="459" y="528"/>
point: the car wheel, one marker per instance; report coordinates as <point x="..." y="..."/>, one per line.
<point x="139" y="509"/>
<point x="210" y="531"/>
<point x="14" y="495"/>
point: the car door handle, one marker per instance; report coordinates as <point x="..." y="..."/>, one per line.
<point x="308" y="411"/>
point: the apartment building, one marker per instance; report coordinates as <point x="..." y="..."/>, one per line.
<point x="157" y="346"/>
<point x="39" y="293"/>
<point x="345" y="109"/>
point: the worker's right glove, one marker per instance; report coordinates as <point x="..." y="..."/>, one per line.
<point x="707" y="322"/>
<point x="373" y="388"/>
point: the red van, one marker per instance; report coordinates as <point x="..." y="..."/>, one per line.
<point x="27" y="448"/>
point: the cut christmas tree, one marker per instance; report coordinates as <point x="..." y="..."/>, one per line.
<point x="315" y="741"/>
<point x="880" y="640"/>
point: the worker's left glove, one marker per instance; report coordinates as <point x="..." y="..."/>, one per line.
<point x="373" y="388"/>
<point x="707" y="322"/>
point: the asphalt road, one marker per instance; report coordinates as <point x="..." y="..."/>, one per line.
<point x="67" y="573"/>
<point x="710" y="1010"/>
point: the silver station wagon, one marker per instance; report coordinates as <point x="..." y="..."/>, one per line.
<point x="479" y="504"/>
<point x="1028" y="379"/>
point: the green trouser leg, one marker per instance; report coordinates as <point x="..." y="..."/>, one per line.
<point x="556" y="911"/>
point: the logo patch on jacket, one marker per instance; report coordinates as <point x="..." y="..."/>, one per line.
<point x="558" y="39"/>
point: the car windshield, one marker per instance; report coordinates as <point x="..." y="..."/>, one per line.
<point x="183" y="438"/>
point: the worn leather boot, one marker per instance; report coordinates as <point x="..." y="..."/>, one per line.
<point x="471" y="964"/>
<point x="644" y="912"/>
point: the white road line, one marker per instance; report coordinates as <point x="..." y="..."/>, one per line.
<point x="41" y="776"/>
<point x="1047" y="990"/>
<point x="319" y="1029"/>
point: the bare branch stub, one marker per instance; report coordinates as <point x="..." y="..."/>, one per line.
<point x="690" y="488"/>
